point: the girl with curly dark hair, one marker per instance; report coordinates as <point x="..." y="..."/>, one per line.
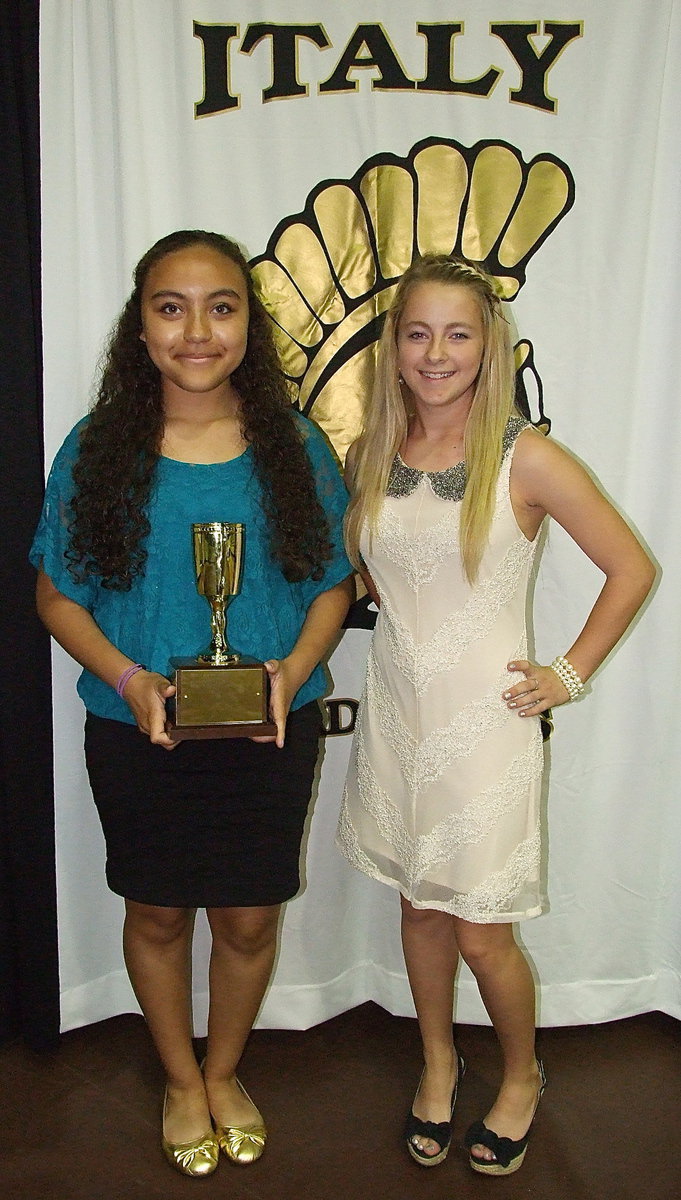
<point x="193" y="423"/>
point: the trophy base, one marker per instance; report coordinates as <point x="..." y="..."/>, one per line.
<point x="217" y="701"/>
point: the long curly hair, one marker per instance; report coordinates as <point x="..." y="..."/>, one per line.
<point x="120" y="444"/>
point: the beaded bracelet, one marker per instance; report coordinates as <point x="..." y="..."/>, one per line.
<point x="568" y="676"/>
<point x="127" y="674"/>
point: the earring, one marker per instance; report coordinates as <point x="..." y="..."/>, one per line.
<point x="400" y="380"/>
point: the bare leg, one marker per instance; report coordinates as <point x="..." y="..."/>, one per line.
<point x="244" y="945"/>
<point x="507" y="990"/>
<point x="431" y="955"/>
<point x="156" y="945"/>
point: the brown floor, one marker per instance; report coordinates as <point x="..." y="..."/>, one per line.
<point x="82" y="1124"/>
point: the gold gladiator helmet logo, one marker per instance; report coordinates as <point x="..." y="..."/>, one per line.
<point x="329" y="273"/>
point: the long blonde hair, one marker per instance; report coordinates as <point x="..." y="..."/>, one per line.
<point x="386" y="419"/>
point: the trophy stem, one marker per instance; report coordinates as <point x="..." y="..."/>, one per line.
<point x="218" y="652"/>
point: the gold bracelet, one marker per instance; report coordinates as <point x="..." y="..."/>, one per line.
<point x="568" y="676"/>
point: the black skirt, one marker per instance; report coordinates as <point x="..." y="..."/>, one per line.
<point x="212" y="824"/>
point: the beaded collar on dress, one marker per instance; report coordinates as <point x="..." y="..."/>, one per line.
<point x="449" y="484"/>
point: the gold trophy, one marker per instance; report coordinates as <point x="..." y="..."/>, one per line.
<point x="219" y="693"/>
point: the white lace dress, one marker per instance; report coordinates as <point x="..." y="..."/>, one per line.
<point x="443" y="789"/>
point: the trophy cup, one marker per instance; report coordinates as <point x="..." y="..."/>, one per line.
<point x="219" y="693"/>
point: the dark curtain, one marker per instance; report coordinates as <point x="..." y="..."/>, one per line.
<point x="29" y="990"/>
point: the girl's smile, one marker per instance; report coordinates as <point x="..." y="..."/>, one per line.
<point x="440" y="344"/>
<point x="195" y="320"/>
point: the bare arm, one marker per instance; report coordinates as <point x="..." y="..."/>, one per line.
<point x="547" y="480"/>
<point x="322" y="624"/>
<point x="369" y="584"/>
<point x="77" y="631"/>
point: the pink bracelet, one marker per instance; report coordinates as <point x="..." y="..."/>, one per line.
<point x="127" y="674"/>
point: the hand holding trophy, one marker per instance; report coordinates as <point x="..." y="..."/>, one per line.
<point x="219" y="693"/>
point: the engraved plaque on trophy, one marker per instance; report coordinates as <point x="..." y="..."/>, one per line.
<point x="219" y="693"/>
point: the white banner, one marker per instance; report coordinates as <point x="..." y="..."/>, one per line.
<point x="334" y="141"/>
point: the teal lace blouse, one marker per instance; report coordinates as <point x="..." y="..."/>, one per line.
<point x="163" y="615"/>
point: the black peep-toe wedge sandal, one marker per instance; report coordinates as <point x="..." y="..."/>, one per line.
<point x="508" y="1155"/>
<point x="440" y="1131"/>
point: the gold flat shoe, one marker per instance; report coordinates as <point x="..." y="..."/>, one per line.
<point x="196" y="1158"/>
<point x="243" y="1144"/>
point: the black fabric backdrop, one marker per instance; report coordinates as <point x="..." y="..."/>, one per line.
<point x="29" y="985"/>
